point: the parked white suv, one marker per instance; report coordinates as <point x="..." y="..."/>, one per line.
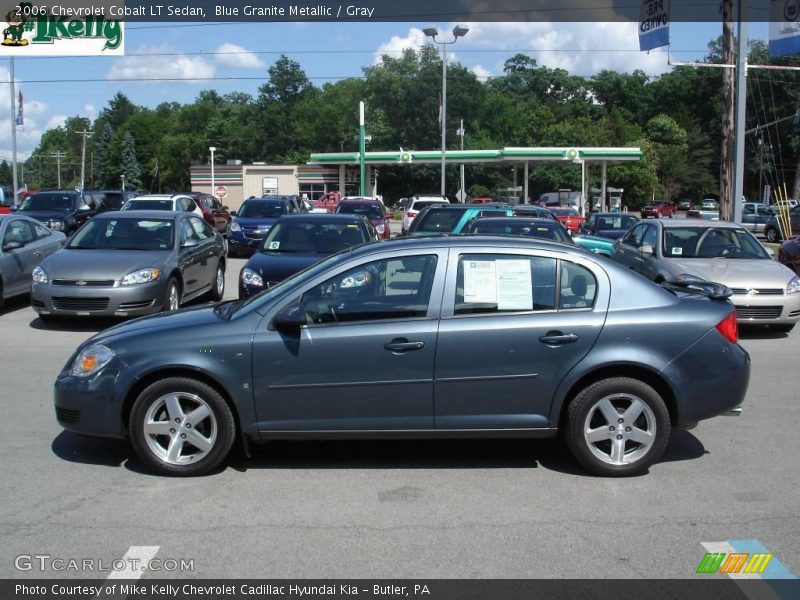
<point x="416" y="205"/>
<point x="171" y="202"/>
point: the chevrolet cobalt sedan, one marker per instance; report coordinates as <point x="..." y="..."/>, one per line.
<point x="131" y="263"/>
<point x="473" y="336"/>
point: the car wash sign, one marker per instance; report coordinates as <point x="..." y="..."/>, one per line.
<point x="784" y="29"/>
<point x="654" y="24"/>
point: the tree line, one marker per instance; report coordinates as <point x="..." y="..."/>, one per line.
<point x="674" y="118"/>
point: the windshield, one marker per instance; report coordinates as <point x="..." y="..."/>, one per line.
<point x="256" y="210"/>
<point x="148" y="205"/>
<point x="124" y="234"/>
<point x="420" y="204"/>
<point x="312" y="238"/>
<point x="439" y="220"/>
<point x="616" y="223"/>
<point x="48" y="201"/>
<point x="564" y="212"/>
<point x="371" y="211"/>
<point x="545" y="231"/>
<point x="711" y="242"/>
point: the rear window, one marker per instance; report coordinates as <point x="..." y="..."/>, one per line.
<point x="261" y="210"/>
<point x="148" y="205"/>
<point x="545" y="231"/>
<point x="420" y="204"/>
<point x="439" y="220"/>
<point x="371" y="211"/>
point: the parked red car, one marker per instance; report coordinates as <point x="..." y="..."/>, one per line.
<point x="372" y="209"/>
<point x="214" y="213"/>
<point x="658" y="209"/>
<point x="327" y="202"/>
<point x="569" y="218"/>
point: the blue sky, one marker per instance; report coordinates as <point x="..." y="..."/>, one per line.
<point x="324" y="50"/>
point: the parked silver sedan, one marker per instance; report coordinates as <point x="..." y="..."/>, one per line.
<point x="25" y="242"/>
<point x="765" y="292"/>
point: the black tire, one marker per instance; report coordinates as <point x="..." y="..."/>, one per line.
<point x="619" y="390"/>
<point x="172" y="283"/>
<point x="783" y="328"/>
<point x="216" y="292"/>
<point x="220" y="412"/>
<point x="772" y="235"/>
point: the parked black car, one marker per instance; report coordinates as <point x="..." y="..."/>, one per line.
<point x="60" y="210"/>
<point x="106" y="200"/>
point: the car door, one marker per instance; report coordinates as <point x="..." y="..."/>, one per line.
<point x="648" y="252"/>
<point x="364" y="360"/>
<point x="626" y="249"/>
<point x="514" y="323"/>
<point x="190" y="255"/>
<point x="207" y="251"/>
<point x="18" y="263"/>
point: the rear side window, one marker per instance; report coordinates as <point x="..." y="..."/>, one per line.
<point x="578" y="287"/>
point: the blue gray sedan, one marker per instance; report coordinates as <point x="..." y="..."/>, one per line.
<point x="483" y="336"/>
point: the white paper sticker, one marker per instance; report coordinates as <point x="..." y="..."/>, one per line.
<point x="274" y="245"/>
<point x="480" y="281"/>
<point x="514" y="289"/>
<point x="677" y="250"/>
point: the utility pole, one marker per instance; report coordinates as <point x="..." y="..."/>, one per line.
<point x="58" y="155"/>
<point x="14" y="180"/>
<point x="726" y="156"/>
<point x="362" y="150"/>
<point x="740" y="138"/>
<point x="461" y="132"/>
<point x="85" y="134"/>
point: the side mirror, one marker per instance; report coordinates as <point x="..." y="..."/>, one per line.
<point x="84" y="208"/>
<point x="9" y="246"/>
<point x="648" y="249"/>
<point x="290" y="319"/>
<point x="190" y="243"/>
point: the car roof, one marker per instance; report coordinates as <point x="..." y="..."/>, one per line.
<point x="466" y="241"/>
<point x="673" y="223"/>
<point x="515" y="220"/>
<point x="326" y="217"/>
<point x="157" y="197"/>
<point x="160" y="215"/>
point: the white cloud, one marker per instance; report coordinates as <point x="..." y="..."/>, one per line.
<point x="481" y="72"/>
<point x="237" y="57"/>
<point x="90" y="110"/>
<point x="580" y="48"/>
<point x="175" y="66"/>
<point x="394" y="46"/>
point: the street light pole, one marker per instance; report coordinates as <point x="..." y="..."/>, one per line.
<point x="432" y="32"/>
<point x="84" y="134"/>
<point x="362" y="150"/>
<point x="213" y="185"/>
<point x="461" y="132"/>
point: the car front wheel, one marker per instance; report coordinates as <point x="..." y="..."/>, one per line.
<point x="181" y="427"/>
<point x="617" y="427"/>
<point x="772" y="235"/>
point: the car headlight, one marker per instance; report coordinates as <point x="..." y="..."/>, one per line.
<point x="380" y="228"/>
<point x="235" y="226"/>
<point x="39" y="275"/>
<point x="794" y="286"/>
<point x="687" y="278"/>
<point x="142" y="276"/>
<point x="250" y="277"/>
<point x="90" y="360"/>
<point x="56" y="225"/>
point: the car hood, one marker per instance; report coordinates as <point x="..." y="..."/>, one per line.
<point x="100" y="264"/>
<point x="277" y="266"/>
<point x="735" y="272"/>
<point x="43" y="215"/>
<point x="255" y="221"/>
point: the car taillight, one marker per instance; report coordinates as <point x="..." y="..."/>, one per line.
<point x="411" y="214"/>
<point x="729" y="328"/>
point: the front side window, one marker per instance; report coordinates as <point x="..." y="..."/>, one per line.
<point x="634" y="236"/>
<point x="650" y="237"/>
<point x="395" y="288"/>
<point x="201" y="230"/>
<point x="18" y="231"/>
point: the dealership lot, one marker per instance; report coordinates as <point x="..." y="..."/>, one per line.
<point x="496" y="509"/>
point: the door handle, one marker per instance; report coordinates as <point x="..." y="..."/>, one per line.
<point x="403" y="345"/>
<point x="556" y="338"/>
<point x="37" y="253"/>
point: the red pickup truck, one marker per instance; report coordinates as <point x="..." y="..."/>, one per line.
<point x="658" y="209"/>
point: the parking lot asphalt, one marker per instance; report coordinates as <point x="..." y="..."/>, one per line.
<point x="394" y="509"/>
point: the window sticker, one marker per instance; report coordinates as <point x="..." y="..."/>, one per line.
<point x="274" y="245"/>
<point x="479" y="281"/>
<point x="677" y="251"/>
<point x="514" y="286"/>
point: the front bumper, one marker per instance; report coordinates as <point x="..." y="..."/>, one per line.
<point x="90" y="405"/>
<point x="238" y="241"/>
<point x="762" y="309"/>
<point x="75" y="301"/>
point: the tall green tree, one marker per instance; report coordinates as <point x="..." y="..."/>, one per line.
<point x="130" y="165"/>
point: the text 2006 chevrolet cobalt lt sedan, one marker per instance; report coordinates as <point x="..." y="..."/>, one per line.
<point x="437" y="337"/>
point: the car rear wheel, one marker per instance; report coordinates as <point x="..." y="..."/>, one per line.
<point x="617" y="427"/>
<point x="772" y="235"/>
<point x="172" y="296"/>
<point x="218" y="286"/>
<point x="181" y="427"/>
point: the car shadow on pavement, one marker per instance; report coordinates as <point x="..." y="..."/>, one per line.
<point x="753" y="332"/>
<point x="75" y="324"/>
<point x="14" y="304"/>
<point x="73" y="447"/>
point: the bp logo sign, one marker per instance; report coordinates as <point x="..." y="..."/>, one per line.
<point x="405" y="157"/>
<point x="572" y="154"/>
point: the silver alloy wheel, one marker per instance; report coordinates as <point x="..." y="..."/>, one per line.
<point x="620" y="429"/>
<point x="180" y="428"/>
<point x="174" y="300"/>
<point x="220" y="281"/>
